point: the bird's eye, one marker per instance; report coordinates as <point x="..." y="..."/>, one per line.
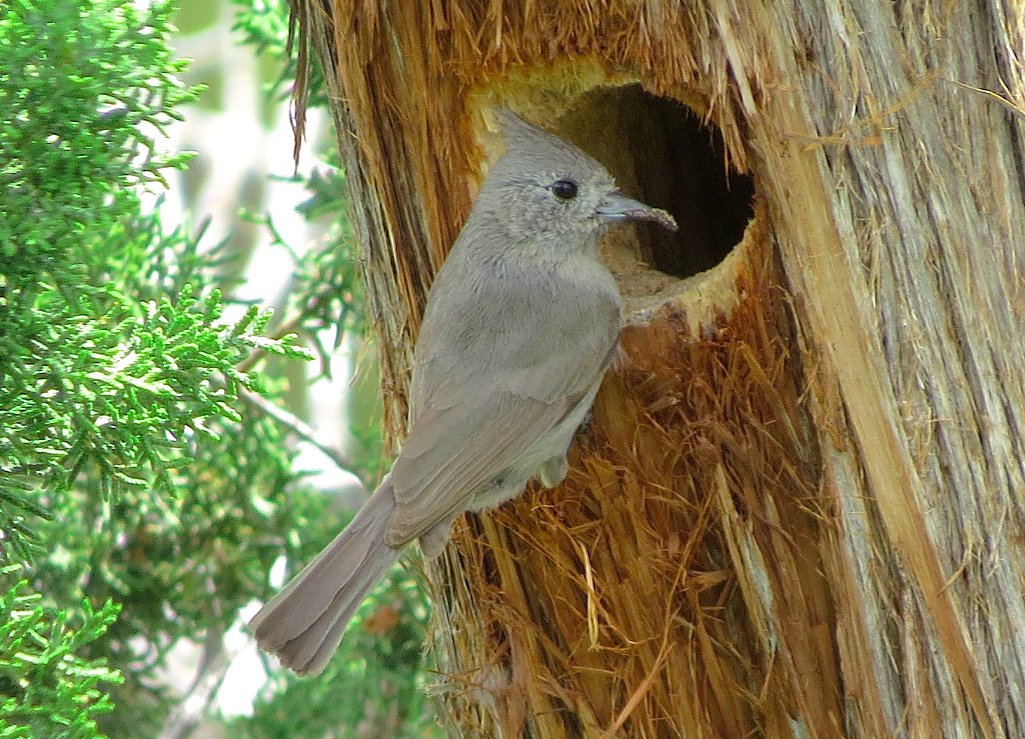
<point x="564" y="189"/>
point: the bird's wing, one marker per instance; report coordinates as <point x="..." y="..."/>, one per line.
<point x="458" y="444"/>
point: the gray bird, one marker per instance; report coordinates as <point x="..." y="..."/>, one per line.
<point x="520" y="327"/>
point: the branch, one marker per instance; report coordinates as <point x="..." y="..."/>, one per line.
<point x="300" y="428"/>
<point x="191" y="710"/>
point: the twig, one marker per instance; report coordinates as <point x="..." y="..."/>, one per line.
<point x="293" y="326"/>
<point x="191" y="710"/>
<point x="300" y="428"/>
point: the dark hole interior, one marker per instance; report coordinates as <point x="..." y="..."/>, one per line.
<point x="677" y="163"/>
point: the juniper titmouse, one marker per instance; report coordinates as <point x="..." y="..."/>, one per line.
<point x="520" y="326"/>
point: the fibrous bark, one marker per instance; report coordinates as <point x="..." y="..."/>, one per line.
<point x="798" y="510"/>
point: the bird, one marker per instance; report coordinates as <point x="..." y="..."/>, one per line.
<point x="520" y="326"/>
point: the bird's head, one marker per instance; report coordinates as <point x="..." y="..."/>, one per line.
<point x="545" y="188"/>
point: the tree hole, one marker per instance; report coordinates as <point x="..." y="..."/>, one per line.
<point x="660" y="152"/>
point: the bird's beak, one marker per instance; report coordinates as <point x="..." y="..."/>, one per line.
<point x="618" y="207"/>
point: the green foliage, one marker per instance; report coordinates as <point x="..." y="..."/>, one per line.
<point x="264" y="25"/>
<point x="111" y="352"/>
<point x="180" y="565"/>
<point x="84" y="88"/>
<point x="329" y="291"/>
<point x="46" y="690"/>
<point x="132" y="472"/>
<point x="127" y="471"/>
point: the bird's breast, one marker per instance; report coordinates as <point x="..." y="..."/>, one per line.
<point x="501" y="318"/>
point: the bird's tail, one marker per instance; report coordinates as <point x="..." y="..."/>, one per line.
<point x="304" y="623"/>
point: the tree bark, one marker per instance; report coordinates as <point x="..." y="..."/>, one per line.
<point x="798" y="510"/>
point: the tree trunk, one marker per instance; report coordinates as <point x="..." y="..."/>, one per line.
<point x="798" y="509"/>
